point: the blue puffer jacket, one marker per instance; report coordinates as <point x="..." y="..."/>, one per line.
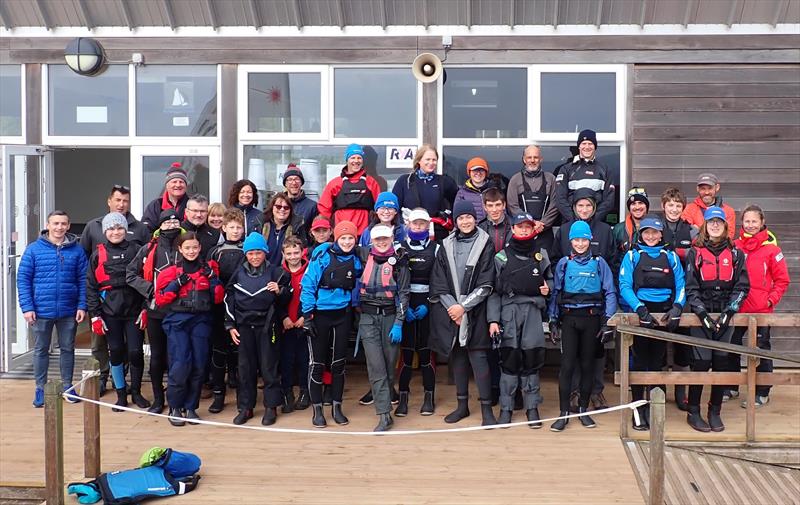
<point x="51" y="280"/>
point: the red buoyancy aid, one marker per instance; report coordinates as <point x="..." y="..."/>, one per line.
<point x="386" y="281"/>
<point x="716" y="272"/>
<point x="100" y="272"/>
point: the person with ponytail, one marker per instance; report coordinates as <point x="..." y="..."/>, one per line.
<point x="769" y="280"/>
<point x="524" y="280"/>
<point x="716" y="281"/>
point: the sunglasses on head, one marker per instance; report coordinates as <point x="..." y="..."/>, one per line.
<point x="637" y="191"/>
<point x="120" y="188"/>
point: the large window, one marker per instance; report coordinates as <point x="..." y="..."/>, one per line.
<point x="574" y="101"/>
<point x="176" y="100"/>
<point x="87" y="106"/>
<point x="10" y="100"/>
<point x="284" y="102"/>
<point x="375" y="102"/>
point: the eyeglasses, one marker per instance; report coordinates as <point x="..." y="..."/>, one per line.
<point x="197" y="211"/>
<point x="281" y="206"/>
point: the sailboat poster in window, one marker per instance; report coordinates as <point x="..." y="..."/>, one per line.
<point x="179" y="97"/>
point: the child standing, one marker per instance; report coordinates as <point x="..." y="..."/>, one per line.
<point x="294" y="346"/>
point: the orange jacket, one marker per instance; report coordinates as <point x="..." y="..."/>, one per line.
<point x="693" y="214"/>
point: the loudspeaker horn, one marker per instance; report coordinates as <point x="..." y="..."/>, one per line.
<point x="427" y="67"/>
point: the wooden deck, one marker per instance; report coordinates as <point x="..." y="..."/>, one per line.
<point x="516" y="465"/>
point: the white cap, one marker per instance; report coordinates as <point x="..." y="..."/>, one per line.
<point x="380" y="231"/>
<point x="418" y="214"/>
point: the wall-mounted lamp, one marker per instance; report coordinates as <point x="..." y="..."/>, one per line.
<point x="84" y="56"/>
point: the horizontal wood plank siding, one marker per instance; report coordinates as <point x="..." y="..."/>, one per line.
<point x="741" y="122"/>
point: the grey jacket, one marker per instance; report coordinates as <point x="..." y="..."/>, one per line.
<point x="516" y="188"/>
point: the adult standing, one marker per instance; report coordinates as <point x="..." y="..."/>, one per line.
<point x="477" y="182"/>
<point x="425" y="188"/>
<point x="304" y="206"/>
<point x="280" y="221"/>
<point x="174" y="198"/>
<point x="51" y="284"/>
<point x="708" y="196"/>
<point x="351" y="196"/>
<point x="244" y="196"/>
<point x="533" y="191"/>
<point x="197" y="221"/>
<point x="585" y="171"/>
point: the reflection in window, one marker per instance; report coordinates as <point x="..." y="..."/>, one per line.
<point x="11" y="100"/>
<point x="572" y="102"/>
<point x="283" y="102"/>
<point x="176" y="100"/>
<point x="485" y="103"/>
<point x="155" y="167"/>
<point x="80" y="105"/>
<point x="372" y="102"/>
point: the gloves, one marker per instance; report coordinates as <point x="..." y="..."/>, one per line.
<point x="420" y="312"/>
<point x="724" y="321"/>
<point x="86" y="493"/>
<point x="606" y="334"/>
<point x="396" y="334"/>
<point x="645" y="319"/>
<point x="141" y="321"/>
<point x="410" y="315"/>
<point x="496" y="337"/>
<point x="555" y="332"/>
<point x="207" y="271"/>
<point x="672" y="319"/>
<point x="183" y="279"/>
<point x="707" y="322"/>
<point x="308" y="325"/>
<point x="99" y="326"/>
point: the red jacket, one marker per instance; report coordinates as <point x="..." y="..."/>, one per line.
<point x="165" y="296"/>
<point x="359" y="217"/>
<point x="693" y="214"/>
<point x="767" y="269"/>
<point x="293" y="309"/>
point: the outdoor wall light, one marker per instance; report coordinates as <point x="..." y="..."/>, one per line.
<point x="84" y="56"/>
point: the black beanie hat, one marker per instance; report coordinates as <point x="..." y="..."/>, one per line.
<point x="589" y="135"/>
<point x="166" y="215"/>
<point x="638" y="196"/>
<point x="291" y="169"/>
<point x="463" y="207"/>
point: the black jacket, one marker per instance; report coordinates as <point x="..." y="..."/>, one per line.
<point x="206" y="235"/>
<point x="602" y="243"/>
<point x="152" y="212"/>
<point x="93" y="234"/>
<point x="585" y="174"/>
<point x="112" y="296"/>
<point x="229" y="256"/>
<point x="247" y="300"/>
<point x="164" y="256"/>
<point x="499" y="234"/>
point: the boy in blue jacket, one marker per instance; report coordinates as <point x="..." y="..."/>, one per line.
<point x="51" y="284"/>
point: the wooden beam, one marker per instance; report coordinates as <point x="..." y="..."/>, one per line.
<point x="752" y="363"/>
<point x="690" y="14"/>
<point x="170" y="14"/>
<point x="625" y="354"/>
<point x="339" y="9"/>
<point x="91" y="422"/>
<point x="298" y="14"/>
<point x="212" y="15"/>
<point x="54" y="442"/>
<point x="790" y="378"/>
<point x="599" y="19"/>
<point x="643" y="13"/>
<point x="39" y="5"/>
<point x="126" y="14"/>
<point x="87" y="20"/>
<point x="782" y="319"/>
<point x="257" y="23"/>
<point x="655" y="495"/>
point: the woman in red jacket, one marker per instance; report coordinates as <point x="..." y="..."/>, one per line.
<point x="769" y="279"/>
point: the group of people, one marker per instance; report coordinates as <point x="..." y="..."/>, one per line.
<point x="479" y="274"/>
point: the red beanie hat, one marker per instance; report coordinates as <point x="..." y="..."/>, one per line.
<point x="344" y="228"/>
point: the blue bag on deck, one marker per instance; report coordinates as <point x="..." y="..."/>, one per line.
<point x="179" y="464"/>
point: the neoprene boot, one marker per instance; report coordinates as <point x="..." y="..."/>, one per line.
<point x="136" y="388"/>
<point x="428" y="405"/>
<point x="191" y="415"/>
<point x="318" y="418"/>
<point x="395" y="397"/>
<point x="122" y="399"/>
<point x="103" y="387"/>
<point x="270" y="416"/>
<point x="586" y="421"/>
<point x="694" y="419"/>
<point x="243" y="416"/>
<point x="487" y="414"/>
<point x="402" y="406"/>
<point x="385" y="422"/>
<point x="288" y="402"/>
<point x="680" y="398"/>
<point x="533" y="418"/>
<point x="336" y="413"/>
<point x="303" y="400"/>
<point x="218" y="405"/>
<point x="641" y="424"/>
<point x="714" y="418"/>
<point x="157" y="406"/>
<point x="560" y="424"/>
<point x="462" y="410"/>
<point x="176" y="417"/>
<point x="505" y="417"/>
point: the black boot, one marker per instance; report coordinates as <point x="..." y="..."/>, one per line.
<point x="336" y="414"/>
<point x="487" y="414"/>
<point x="367" y="399"/>
<point x="157" y="406"/>
<point x="176" y="417"/>
<point x="218" y="405"/>
<point x="270" y="416"/>
<point x="103" y="384"/>
<point x="428" y="405"/>
<point x="641" y="424"/>
<point x="586" y="421"/>
<point x="303" y="400"/>
<point x="505" y="417"/>
<point x="462" y="410"/>
<point x="714" y="418"/>
<point x="136" y="388"/>
<point x="694" y="419"/>
<point x="318" y="418"/>
<point x="402" y="406"/>
<point x="122" y="399"/>
<point x="138" y="399"/>
<point x="288" y="402"/>
<point x="395" y="398"/>
<point x="385" y="422"/>
<point x="560" y="424"/>
<point x="191" y="415"/>
<point x="533" y="418"/>
<point x="243" y="416"/>
<point x="680" y="398"/>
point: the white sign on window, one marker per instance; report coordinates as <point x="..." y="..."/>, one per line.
<point x="400" y="156"/>
<point x="84" y="114"/>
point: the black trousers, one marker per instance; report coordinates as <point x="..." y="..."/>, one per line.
<point x="461" y="359"/>
<point x="125" y="338"/>
<point x="259" y="352"/>
<point x="332" y="329"/>
<point x="648" y="353"/>
<point x="294" y="359"/>
<point x="221" y="349"/>
<point x="579" y="330"/>
<point x="762" y="342"/>
<point x="158" y="353"/>
<point x="415" y="340"/>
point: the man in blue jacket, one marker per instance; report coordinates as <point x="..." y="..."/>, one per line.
<point x="51" y="283"/>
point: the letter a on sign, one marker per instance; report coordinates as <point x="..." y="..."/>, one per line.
<point x="400" y="156"/>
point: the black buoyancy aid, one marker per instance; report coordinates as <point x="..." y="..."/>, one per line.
<point x="533" y="202"/>
<point x="111" y="263"/>
<point x="653" y="272"/>
<point x="354" y="195"/>
<point x="521" y="276"/>
<point x="582" y="283"/>
<point x="420" y="262"/>
<point x="379" y="278"/>
<point x="198" y="297"/>
<point x="716" y="272"/>
<point x="339" y="273"/>
<point x="680" y="238"/>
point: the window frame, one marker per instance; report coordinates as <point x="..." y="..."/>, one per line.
<point x="19" y="139"/>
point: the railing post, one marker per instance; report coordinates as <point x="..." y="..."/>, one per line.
<point x="657" y="419"/>
<point x="91" y="422"/>
<point x="54" y="443"/>
<point x="752" y="364"/>
<point x="624" y="358"/>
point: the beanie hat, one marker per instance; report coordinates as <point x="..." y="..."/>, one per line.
<point x="320" y="222"/>
<point x="418" y="214"/>
<point x="291" y="170"/>
<point x="255" y="242"/>
<point x="352" y="150"/>
<point x="580" y="229"/>
<point x="653" y="222"/>
<point x="584" y="194"/>
<point x="476" y="163"/>
<point x="462" y="207"/>
<point x="176" y="172"/>
<point x="114" y="220"/>
<point x="714" y="212"/>
<point x="380" y="231"/>
<point x="344" y="228"/>
<point x="589" y="135"/>
<point x="387" y="199"/>
<point x="637" y="195"/>
<point x="167" y="215"/>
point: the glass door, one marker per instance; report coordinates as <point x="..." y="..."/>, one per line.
<point x="149" y="165"/>
<point x="18" y="227"/>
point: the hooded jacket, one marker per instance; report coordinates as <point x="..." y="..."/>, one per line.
<point x="589" y="174"/>
<point x="153" y="210"/>
<point x="253" y="218"/>
<point x="312" y="296"/>
<point x="152" y="259"/>
<point x="51" y="279"/>
<point x="634" y="298"/>
<point x="767" y="271"/>
<point x="473" y="195"/>
<point x="693" y="214"/>
<point x="535" y="180"/>
<point x="701" y="297"/>
<point x="112" y="297"/>
<point x="359" y="217"/>
<point x="304" y="207"/>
